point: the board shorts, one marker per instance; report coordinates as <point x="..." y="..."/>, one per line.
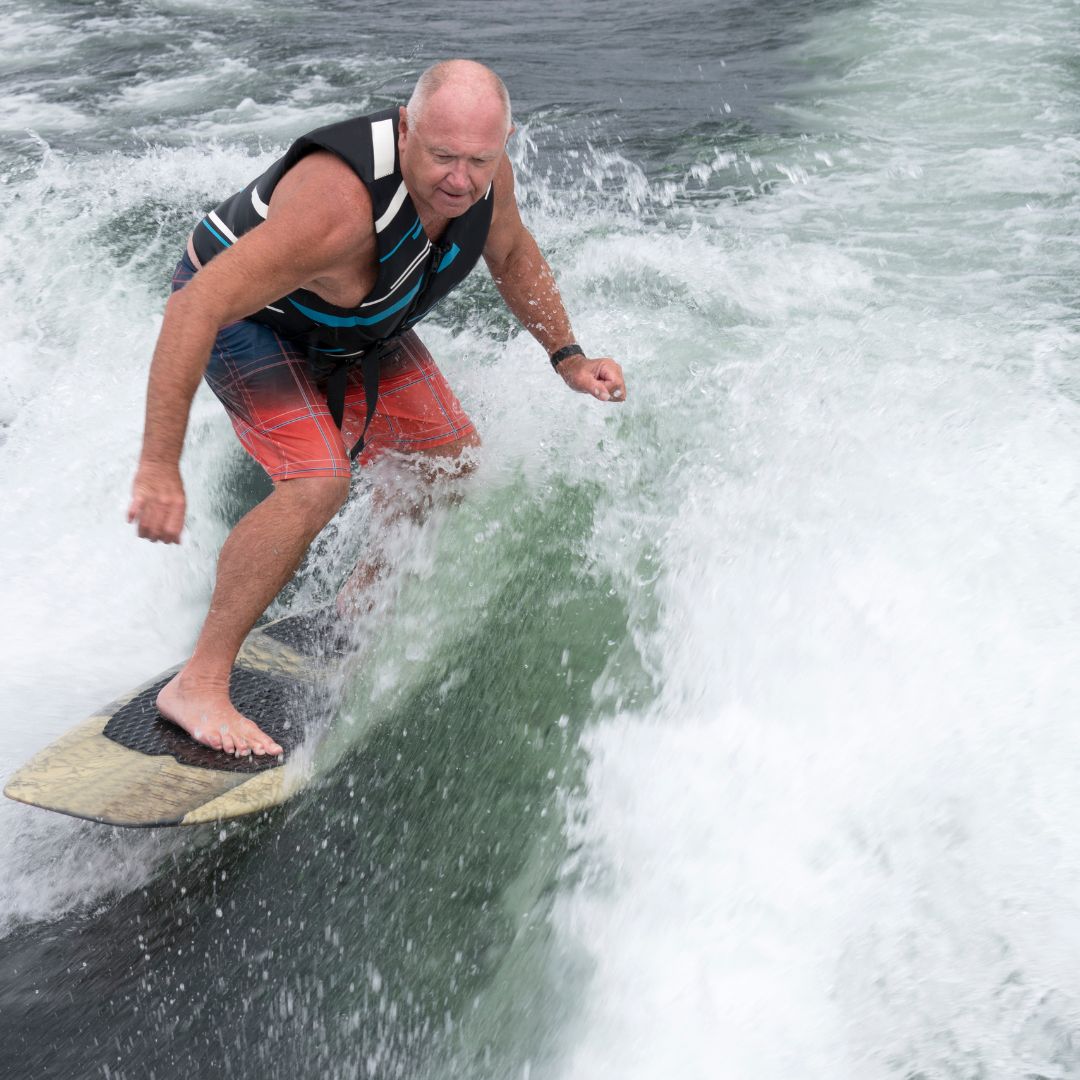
<point x="281" y="417"/>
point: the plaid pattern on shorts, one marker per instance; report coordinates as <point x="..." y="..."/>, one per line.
<point x="281" y="417"/>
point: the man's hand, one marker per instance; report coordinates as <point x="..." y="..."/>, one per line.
<point x="603" y="378"/>
<point x="157" y="502"/>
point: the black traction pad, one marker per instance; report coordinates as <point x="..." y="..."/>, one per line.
<point x="283" y="708"/>
<point x="318" y="633"/>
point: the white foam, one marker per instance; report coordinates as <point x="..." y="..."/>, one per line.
<point x="89" y="610"/>
<point x="30" y="111"/>
<point x="184" y="92"/>
<point x="837" y="843"/>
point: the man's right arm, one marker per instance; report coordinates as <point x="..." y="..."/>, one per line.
<point x="320" y="217"/>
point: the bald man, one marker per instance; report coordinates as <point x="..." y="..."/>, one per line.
<point x="296" y="300"/>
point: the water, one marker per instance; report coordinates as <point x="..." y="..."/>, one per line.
<point x="727" y="733"/>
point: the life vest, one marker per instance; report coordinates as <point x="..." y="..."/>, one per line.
<point x="414" y="273"/>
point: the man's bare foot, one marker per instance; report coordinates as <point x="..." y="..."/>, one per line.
<point x="209" y="718"/>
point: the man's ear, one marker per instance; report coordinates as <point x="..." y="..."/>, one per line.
<point x="403" y="120"/>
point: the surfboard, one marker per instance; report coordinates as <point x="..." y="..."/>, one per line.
<point x="127" y="765"/>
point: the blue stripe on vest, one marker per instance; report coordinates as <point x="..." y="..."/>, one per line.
<point x="356" y="320"/>
<point x="448" y="258"/>
<point x="216" y="233"/>
<point x="401" y="241"/>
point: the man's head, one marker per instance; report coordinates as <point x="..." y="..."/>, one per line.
<point x="452" y="135"/>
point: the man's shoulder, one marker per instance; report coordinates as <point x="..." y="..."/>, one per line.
<point x="325" y="171"/>
<point x="503" y="185"/>
<point x="321" y="187"/>
<point x="506" y="226"/>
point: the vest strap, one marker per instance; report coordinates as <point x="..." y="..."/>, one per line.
<point x="338" y="380"/>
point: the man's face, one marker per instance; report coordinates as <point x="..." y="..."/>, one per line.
<point x="449" y="157"/>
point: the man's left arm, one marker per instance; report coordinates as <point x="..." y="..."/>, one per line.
<point x="527" y="285"/>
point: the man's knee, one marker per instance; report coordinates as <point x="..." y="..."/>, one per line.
<point x="453" y="460"/>
<point x="319" y="497"/>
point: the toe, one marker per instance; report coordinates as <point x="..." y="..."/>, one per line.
<point x="260" y="742"/>
<point x="207" y="738"/>
<point x="228" y="743"/>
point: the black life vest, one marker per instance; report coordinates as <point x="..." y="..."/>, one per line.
<point x="414" y="273"/>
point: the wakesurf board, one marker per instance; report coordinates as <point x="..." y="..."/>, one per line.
<point x="127" y="765"/>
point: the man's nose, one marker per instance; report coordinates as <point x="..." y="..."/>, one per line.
<point x="459" y="176"/>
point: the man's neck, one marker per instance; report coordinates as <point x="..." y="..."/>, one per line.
<point x="434" y="225"/>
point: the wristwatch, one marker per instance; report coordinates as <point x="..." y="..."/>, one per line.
<point x="559" y="355"/>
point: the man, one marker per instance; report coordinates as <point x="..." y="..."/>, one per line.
<point x="330" y="255"/>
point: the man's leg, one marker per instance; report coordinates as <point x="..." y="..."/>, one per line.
<point x="408" y="494"/>
<point x="257" y="560"/>
<point x="282" y="421"/>
<point x="418" y="417"/>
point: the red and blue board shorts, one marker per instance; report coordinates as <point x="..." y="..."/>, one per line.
<point x="281" y="416"/>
